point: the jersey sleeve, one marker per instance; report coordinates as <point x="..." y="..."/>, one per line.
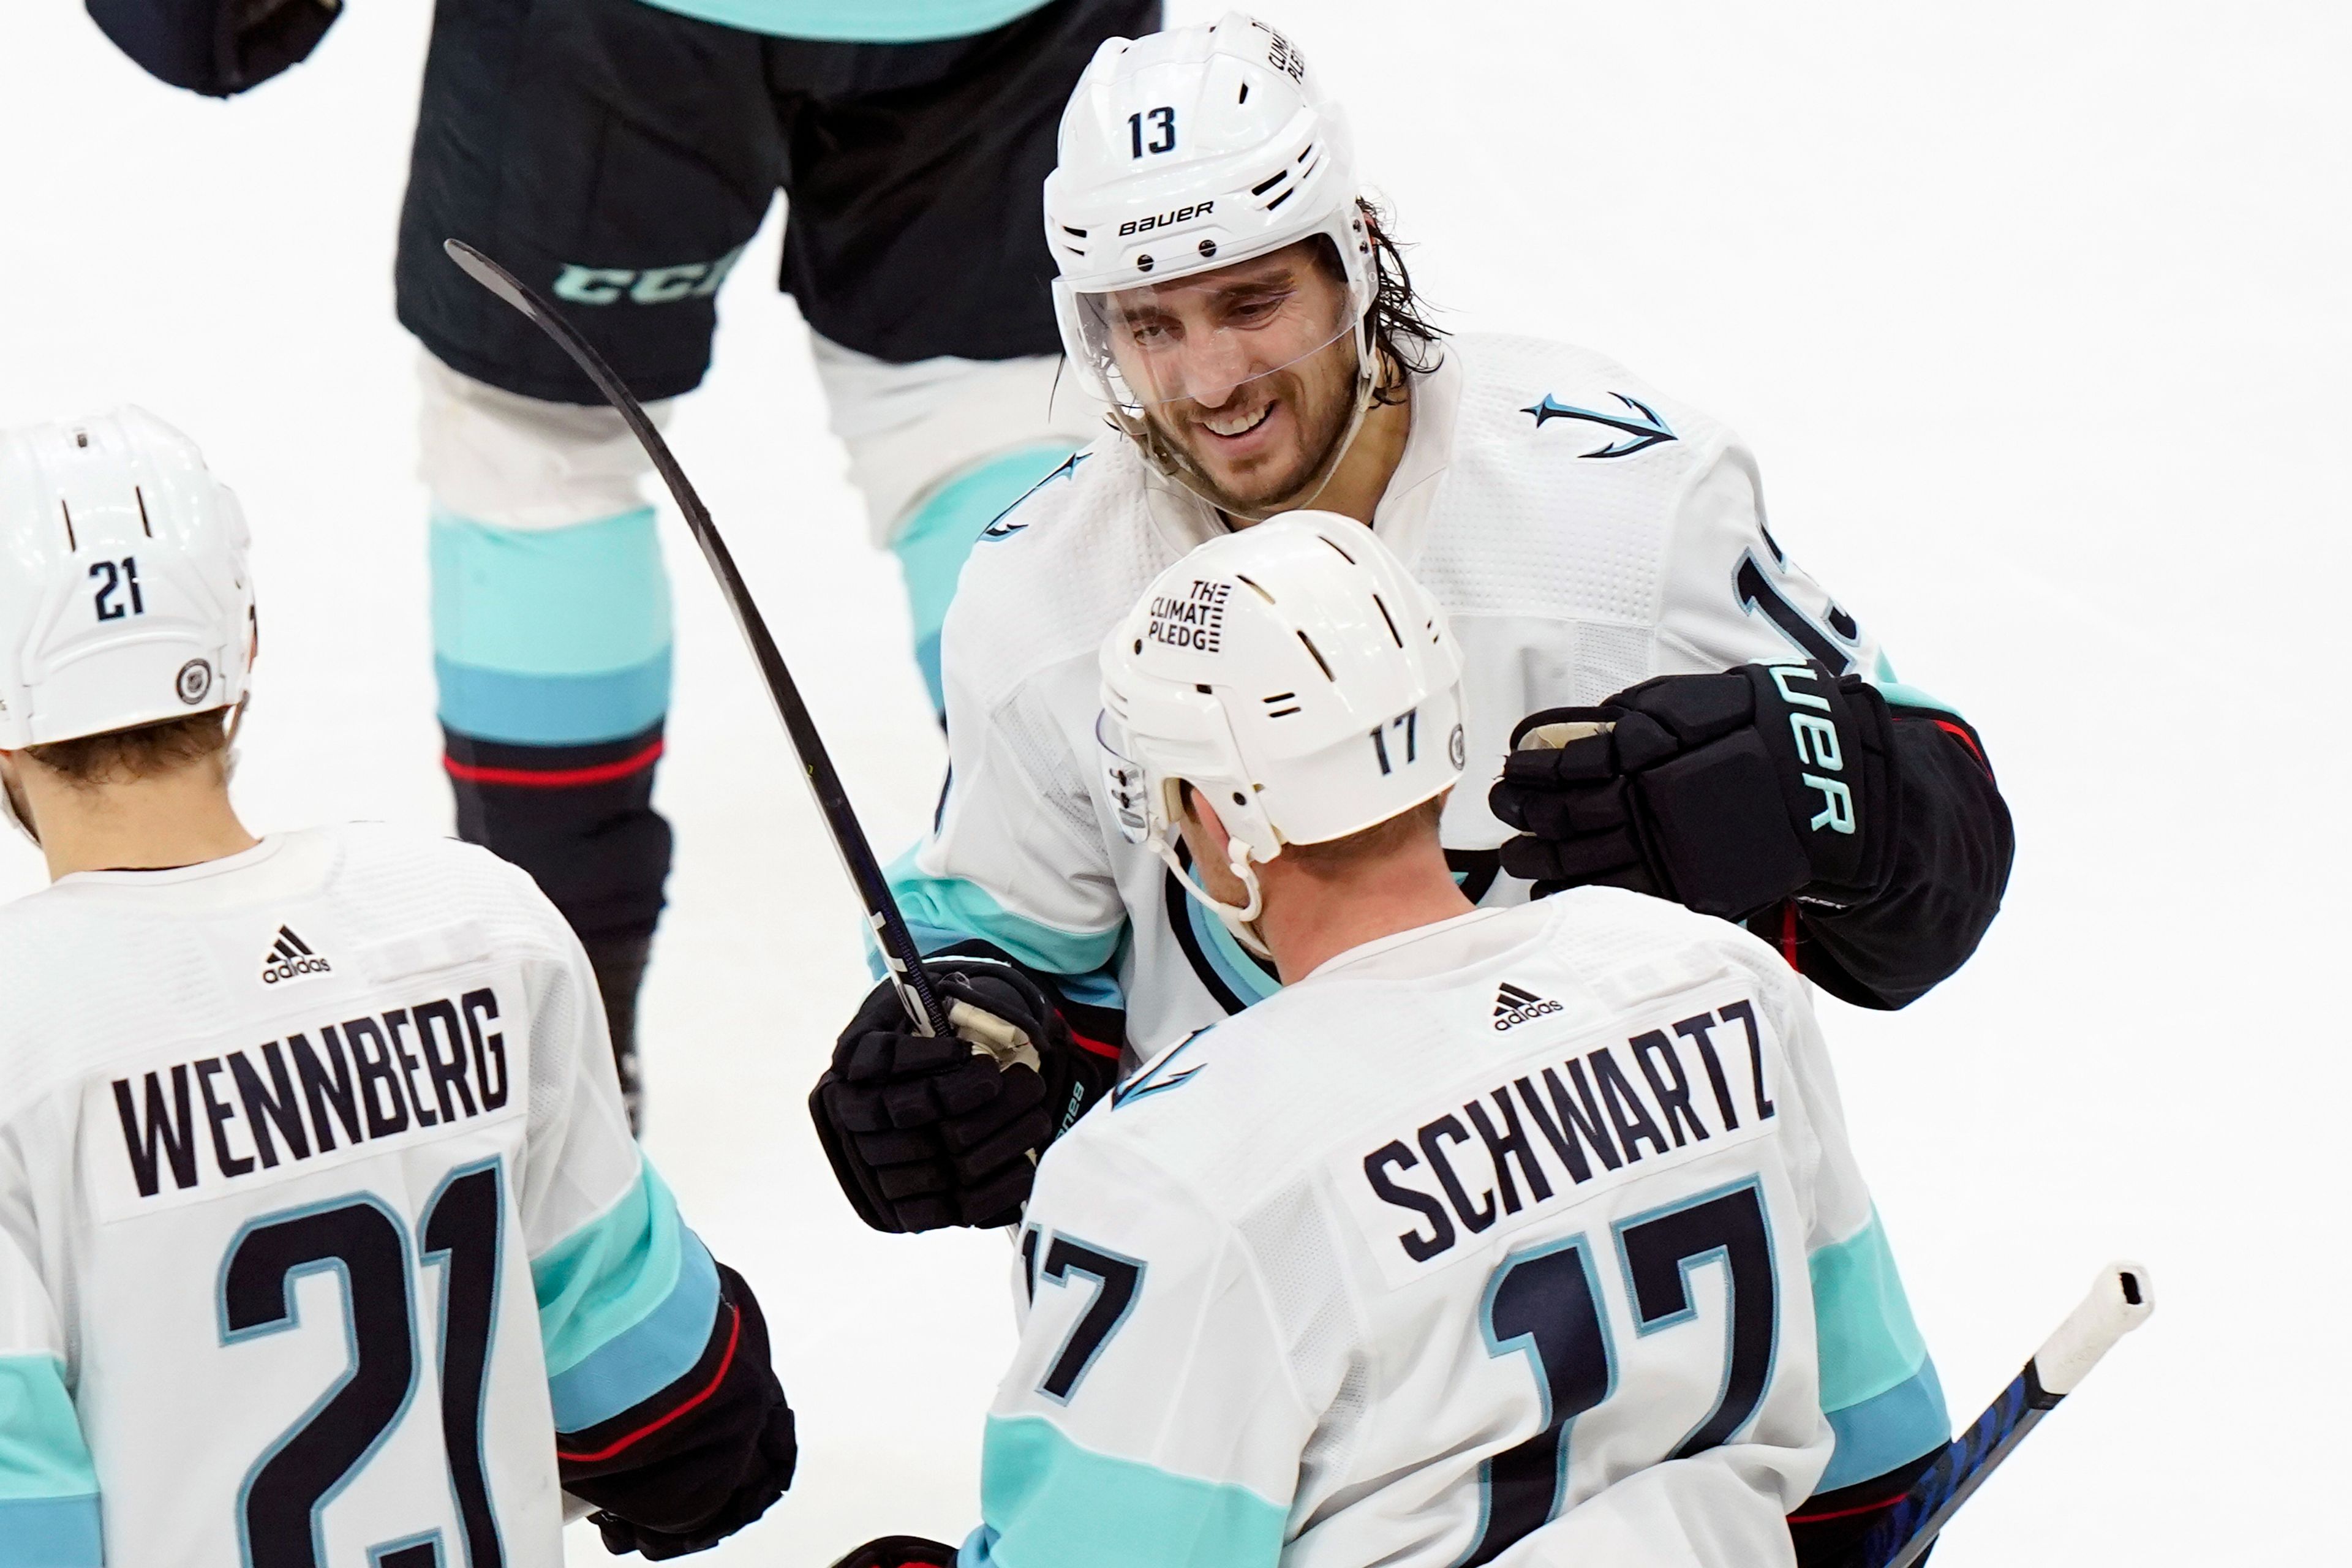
<point x="1151" y="1417"/>
<point x="48" y="1485"/>
<point x="665" y="1405"/>
<point x="1015" y="862"/>
<point x="1732" y="595"/>
<point x="1878" y="1384"/>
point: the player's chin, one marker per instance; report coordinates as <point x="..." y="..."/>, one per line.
<point x="1256" y="476"/>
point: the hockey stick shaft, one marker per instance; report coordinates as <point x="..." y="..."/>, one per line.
<point x="2119" y="1302"/>
<point x="916" y="992"/>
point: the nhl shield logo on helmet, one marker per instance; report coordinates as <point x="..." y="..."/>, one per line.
<point x="194" y="682"/>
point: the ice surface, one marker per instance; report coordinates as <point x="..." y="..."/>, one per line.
<point x="2036" y="316"/>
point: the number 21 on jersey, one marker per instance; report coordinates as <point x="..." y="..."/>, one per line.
<point x="363" y="1244"/>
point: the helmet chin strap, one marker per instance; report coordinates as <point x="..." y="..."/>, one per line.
<point x="1242" y="919"/>
<point x="16" y="819"/>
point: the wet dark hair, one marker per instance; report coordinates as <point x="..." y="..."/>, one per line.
<point x="1397" y="323"/>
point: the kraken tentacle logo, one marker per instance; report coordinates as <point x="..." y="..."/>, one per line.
<point x="1642" y="433"/>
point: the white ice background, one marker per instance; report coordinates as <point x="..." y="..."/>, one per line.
<point x="2037" y="317"/>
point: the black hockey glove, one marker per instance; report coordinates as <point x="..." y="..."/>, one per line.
<point x="1725" y="793"/>
<point x="217" y="48"/>
<point x="900" y="1552"/>
<point x="925" y="1132"/>
<point x="713" y="1454"/>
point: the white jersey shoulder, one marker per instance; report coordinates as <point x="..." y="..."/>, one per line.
<point x="98" y="961"/>
<point x="1053" y="575"/>
<point x="1314" y="1061"/>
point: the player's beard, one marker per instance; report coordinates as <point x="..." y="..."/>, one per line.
<point x="1316" y="395"/>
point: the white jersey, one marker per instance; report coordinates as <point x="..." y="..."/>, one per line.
<point x="1532" y="1237"/>
<point x="318" y="1214"/>
<point x="1583" y="531"/>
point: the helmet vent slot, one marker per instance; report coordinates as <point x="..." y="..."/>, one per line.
<point x="1078" y="232"/>
<point x="1282" y="198"/>
<point x="1274" y="712"/>
<point x="1317" y="654"/>
<point x="1266" y="185"/>
<point x="71" y="543"/>
<point x="1307" y="153"/>
<point x="145" y="526"/>
<point x="1243" y="97"/>
<point x="1336" y="550"/>
<point x="1389" y="619"/>
<point x="1253" y="588"/>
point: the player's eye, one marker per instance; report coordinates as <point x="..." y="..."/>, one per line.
<point x="1257" y="310"/>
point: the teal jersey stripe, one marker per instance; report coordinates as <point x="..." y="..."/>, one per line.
<point x="647" y="1357"/>
<point x="943" y="910"/>
<point x="1888" y="1429"/>
<point x="1243" y="974"/>
<point x="50" y="1533"/>
<point x="932" y="545"/>
<point x="552" y="710"/>
<point x="583" y="600"/>
<point x="610" y="1275"/>
<point x="857" y="21"/>
<point x="1903" y="696"/>
<point x="1862" y="1320"/>
<point x="1049" y="1503"/>
<point x="42" y="1454"/>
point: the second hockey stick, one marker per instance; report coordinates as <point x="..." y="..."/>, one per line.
<point x="916" y="992"/>
<point x="2119" y="1302"/>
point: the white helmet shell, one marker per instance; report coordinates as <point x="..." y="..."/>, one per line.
<point x="1295" y="674"/>
<point x="125" y="593"/>
<point x="1188" y="151"/>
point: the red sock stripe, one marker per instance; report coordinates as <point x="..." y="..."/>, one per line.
<point x="556" y="778"/>
<point x="1788" y="933"/>
<point x="734" y="1335"/>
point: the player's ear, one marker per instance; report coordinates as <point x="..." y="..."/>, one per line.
<point x="1201" y="829"/>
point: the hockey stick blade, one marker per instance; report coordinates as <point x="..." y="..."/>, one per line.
<point x="2119" y="1301"/>
<point x="916" y="993"/>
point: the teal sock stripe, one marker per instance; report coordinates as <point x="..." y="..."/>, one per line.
<point x="551" y="636"/>
<point x="932" y="546"/>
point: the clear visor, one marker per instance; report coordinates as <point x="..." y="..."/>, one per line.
<point x="1203" y="338"/>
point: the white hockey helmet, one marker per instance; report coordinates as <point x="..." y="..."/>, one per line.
<point x="1181" y="154"/>
<point x="125" y="595"/>
<point x="1295" y="674"/>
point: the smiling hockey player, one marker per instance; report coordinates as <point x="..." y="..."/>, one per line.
<point x="1595" y="541"/>
<point x="322" y="1235"/>
<point x="1512" y="1236"/>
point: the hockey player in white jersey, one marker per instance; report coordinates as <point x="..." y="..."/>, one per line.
<point x="323" y="1236"/>
<point x="1499" y="1235"/>
<point x="1600" y="546"/>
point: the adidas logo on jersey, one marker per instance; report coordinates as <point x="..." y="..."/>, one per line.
<point x="1513" y="1005"/>
<point x="290" y="957"/>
